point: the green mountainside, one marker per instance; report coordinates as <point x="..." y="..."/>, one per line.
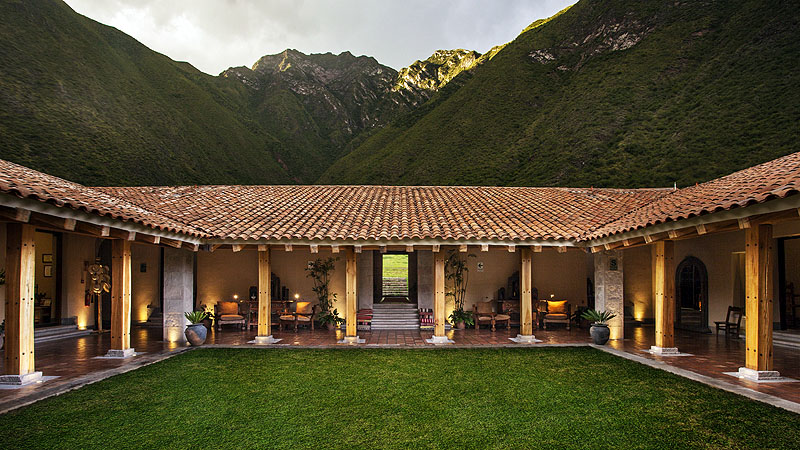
<point x="607" y="93"/>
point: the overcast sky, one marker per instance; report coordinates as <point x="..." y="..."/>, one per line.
<point x="216" y="34"/>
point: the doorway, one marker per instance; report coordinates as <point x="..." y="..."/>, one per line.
<point x="691" y="290"/>
<point x="395" y="277"/>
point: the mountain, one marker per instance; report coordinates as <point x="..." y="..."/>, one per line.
<point x="606" y="93"/>
<point x="87" y="102"/>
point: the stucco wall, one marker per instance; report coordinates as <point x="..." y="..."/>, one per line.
<point x="638" y="282"/>
<point x="223" y="273"/>
<point x="144" y="285"/>
<point x="2" y="266"/>
<point x="77" y="251"/>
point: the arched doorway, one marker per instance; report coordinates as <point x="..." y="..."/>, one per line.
<point x="691" y="295"/>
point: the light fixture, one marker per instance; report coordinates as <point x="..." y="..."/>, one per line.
<point x="236" y="296"/>
<point x="296" y="296"/>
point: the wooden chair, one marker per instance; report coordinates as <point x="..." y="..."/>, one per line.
<point x="557" y="312"/>
<point x="305" y="313"/>
<point x="228" y="313"/>
<point x="733" y="321"/>
<point x="483" y="315"/>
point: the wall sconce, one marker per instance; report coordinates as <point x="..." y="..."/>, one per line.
<point x="236" y="296"/>
<point x="296" y="296"/>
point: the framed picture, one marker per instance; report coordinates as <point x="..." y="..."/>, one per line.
<point x="47" y="257"/>
<point x="46" y="302"/>
<point x="48" y="271"/>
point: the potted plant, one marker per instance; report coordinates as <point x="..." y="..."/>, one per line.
<point x="208" y="322"/>
<point x="599" y="330"/>
<point x="196" y="332"/>
<point x="462" y="319"/>
<point x="330" y="319"/>
<point x="320" y="273"/>
<point x="457" y="275"/>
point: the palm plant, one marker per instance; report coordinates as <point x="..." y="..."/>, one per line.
<point x="319" y="271"/>
<point x="195" y="317"/>
<point x="598" y="317"/>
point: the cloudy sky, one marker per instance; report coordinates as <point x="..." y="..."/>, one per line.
<point x="216" y="34"/>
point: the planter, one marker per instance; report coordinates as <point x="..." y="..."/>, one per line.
<point x="196" y="334"/>
<point x="2" y="340"/>
<point x="331" y="326"/>
<point x="599" y="333"/>
<point x="461" y="325"/>
<point x="208" y="323"/>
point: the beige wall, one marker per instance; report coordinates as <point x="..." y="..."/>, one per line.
<point x="638" y="282"/>
<point x="2" y="266"/>
<point x="77" y="251"/>
<point x="144" y="285"/>
<point x="46" y="285"/>
<point x="223" y="273"/>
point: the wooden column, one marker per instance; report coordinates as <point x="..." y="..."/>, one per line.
<point x="525" y="287"/>
<point x="264" y="293"/>
<point x="20" y="281"/>
<point x="120" y="298"/>
<point x="664" y="291"/>
<point x="352" y="294"/>
<point x="438" y="293"/>
<point x="758" y="287"/>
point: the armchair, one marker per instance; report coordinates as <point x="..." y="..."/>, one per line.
<point x="305" y="313"/>
<point x="228" y="313"/>
<point x="557" y="312"/>
<point x="483" y="315"/>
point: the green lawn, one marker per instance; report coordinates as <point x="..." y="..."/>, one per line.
<point x="395" y="266"/>
<point x="365" y="398"/>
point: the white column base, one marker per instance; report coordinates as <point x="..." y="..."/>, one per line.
<point x="758" y="375"/>
<point x="264" y="340"/>
<point x="21" y="380"/>
<point x="121" y="354"/>
<point x="656" y="350"/>
<point x="352" y="340"/>
<point x="525" y="339"/>
<point x="439" y="340"/>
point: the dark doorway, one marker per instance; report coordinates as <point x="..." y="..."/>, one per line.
<point x="691" y="286"/>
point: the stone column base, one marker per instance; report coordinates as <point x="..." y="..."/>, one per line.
<point x="758" y="375"/>
<point x="21" y="380"/>
<point x="439" y="340"/>
<point x="656" y="350"/>
<point x="525" y="339"/>
<point x="264" y="340"/>
<point x="352" y="340"/>
<point x="127" y="353"/>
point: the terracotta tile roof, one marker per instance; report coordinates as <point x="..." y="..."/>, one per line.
<point x="774" y="179"/>
<point x="389" y="212"/>
<point x="27" y="183"/>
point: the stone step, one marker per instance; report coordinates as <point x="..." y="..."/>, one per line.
<point x="394" y="327"/>
<point x="59" y="332"/>
<point x="382" y="306"/>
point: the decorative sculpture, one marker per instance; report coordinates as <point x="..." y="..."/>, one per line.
<point x="99" y="282"/>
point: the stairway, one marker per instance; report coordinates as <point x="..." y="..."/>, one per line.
<point x="58" y="332"/>
<point x="395" y="316"/>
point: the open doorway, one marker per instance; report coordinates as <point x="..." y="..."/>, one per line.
<point x="691" y="289"/>
<point x="395" y="276"/>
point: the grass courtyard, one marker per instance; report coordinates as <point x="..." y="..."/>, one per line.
<point x="398" y="398"/>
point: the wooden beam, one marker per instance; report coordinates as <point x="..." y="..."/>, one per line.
<point x="264" y="293"/>
<point x="383" y="249"/>
<point x="172" y="242"/>
<point x="648" y="238"/>
<point x="438" y="294"/>
<point x="237" y="247"/>
<point x="120" y="294"/>
<point x="484" y="247"/>
<point x="357" y="248"/>
<point x="462" y="248"/>
<point x="194" y="247"/>
<point x="525" y="285"/>
<point x="287" y="247"/>
<point x="15" y="214"/>
<point x="92" y="229"/>
<point x="351" y="293"/>
<point x="597" y="249"/>
<point x="263" y="247"/>
<point x="701" y="229"/>
<point x="561" y="249"/>
<point x="512" y="248"/>
<point x="20" y="282"/>
<point x="122" y="234"/>
<point x="664" y="288"/>
<point x="57" y="223"/>
<point x="759" y="292"/>
<point x="334" y="249"/>
<point x="744" y="223"/>
<point x="537" y="248"/>
<point x="435" y="248"/>
<point x="409" y="249"/>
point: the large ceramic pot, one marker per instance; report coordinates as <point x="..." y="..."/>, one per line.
<point x="2" y="340"/>
<point x="600" y="333"/>
<point x="461" y="325"/>
<point x="331" y="326"/>
<point x="196" y="334"/>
